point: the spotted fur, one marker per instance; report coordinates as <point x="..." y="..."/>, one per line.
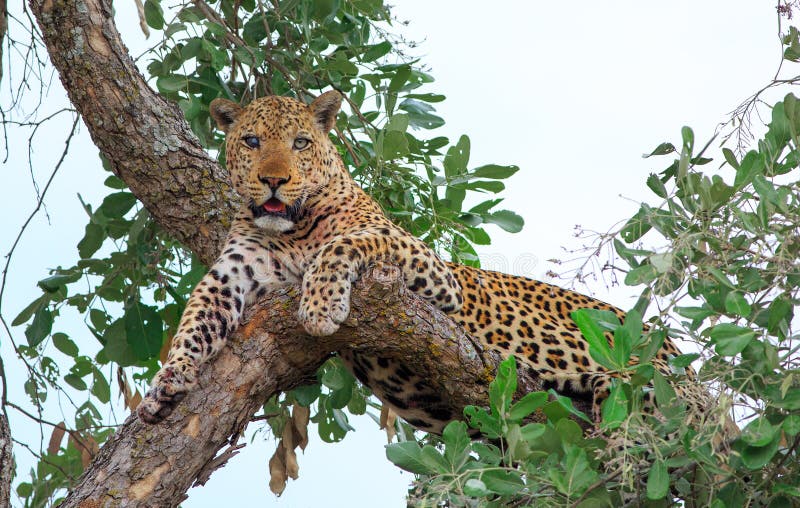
<point x="306" y="221"/>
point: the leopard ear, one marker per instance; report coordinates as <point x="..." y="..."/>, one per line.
<point x="325" y="107"/>
<point x="224" y="112"/>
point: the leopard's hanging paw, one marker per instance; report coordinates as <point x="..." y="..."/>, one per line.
<point x="168" y="389"/>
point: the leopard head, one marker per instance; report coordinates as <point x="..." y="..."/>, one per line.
<point x="278" y="153"/>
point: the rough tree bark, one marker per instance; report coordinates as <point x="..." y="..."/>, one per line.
<point x="6" y="461"/>
<point x="151" y="147"/>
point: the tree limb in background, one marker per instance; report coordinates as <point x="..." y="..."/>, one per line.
<point x="3" y="29"/>
<point x="6" y="461"/>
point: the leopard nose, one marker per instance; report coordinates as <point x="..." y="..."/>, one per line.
<point x="272" y="182"/>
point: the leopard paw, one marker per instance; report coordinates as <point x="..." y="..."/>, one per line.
<point x="168" y="389"/>
<point x="321" y="318"/>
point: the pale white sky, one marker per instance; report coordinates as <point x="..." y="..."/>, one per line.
<point x="572" y="92"/>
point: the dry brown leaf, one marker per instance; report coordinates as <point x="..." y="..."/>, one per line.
<point x="135" y="400"/>
<point x="300" y="417"/>
<point x="290" y="457"/>
<point x="277" y="471"/>
<point x="142" y="21"/>
<point x="388" y="419"/>
<point x="55" y="438"/>
<point x="124" y="387"/>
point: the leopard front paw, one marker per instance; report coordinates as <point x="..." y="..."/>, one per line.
<point x="168" y="388"/>
<point x="321" y="317"/>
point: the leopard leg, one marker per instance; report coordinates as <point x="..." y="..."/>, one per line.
<point x="211" y="315"/>
<point x="325" y="301"/>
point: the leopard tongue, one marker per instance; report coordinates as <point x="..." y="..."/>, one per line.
<point x="274" y="205"/>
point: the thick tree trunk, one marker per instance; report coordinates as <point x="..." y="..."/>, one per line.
<point x="151" y="147"/>
<point x="143" y="135"/>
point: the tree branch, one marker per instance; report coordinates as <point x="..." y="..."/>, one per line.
<point x="146" y="465"/>
<point x="6" y="461"/>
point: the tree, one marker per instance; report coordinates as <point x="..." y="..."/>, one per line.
<point x="728" y="258"/>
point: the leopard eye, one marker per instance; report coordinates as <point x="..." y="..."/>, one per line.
<point x="251" y="141"/>
<point x="301" y="143"/>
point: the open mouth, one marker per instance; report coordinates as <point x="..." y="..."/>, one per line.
<point x="274" y="207"/>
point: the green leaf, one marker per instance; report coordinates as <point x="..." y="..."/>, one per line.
<point x="488" y="424"/>
<point x="759" y="432"/>
<point x="92" y="240"/>
<point x="662" y="149"/>
<point x="615" y="407"/>
<point x="752" y="164"/>
<point x="756" y="457"/>
<point x="75" y="382"/>
<point x="143" y="330"/>
<point x="791" y="425"/>
<point x="501" y="390"/>
<point x="494" y="171"/>
<point x="505" y="483"/>
<point x="116" y="344"/>
<point x="665" y="393"/>
<point x="172" y="83"/>
<point x="117" y="204"/>
<point x="395" y="145"/>
<point x="730" y="339"/>
<point x="730" y="158"/>
<point x="736" y="304"/>
<point x="408" y="456"/>
<point x="307" y="394"/>
<point x="694" y="313"/>
<point x="657" y="480"/>
<point x="637" y="225"/>
<point x="641" y="275"/>
<point x="28" y="311"/>
<point x="527" y="405"/>
<point x="376" y="51"/>
<point x="507" y="220"/>
<point x="562" y="406"/>
<point x="683" y="361"/>
<point x="63" y="343"/>
<point x="456" y="444"/>
<point x="153" y="14"/>
<point x="336" y="376"/>
<point x="40" y="327"/>
<point x="595" y="336"/>
<point x="780" y="312"/>
<point x="475" y="488"/>
<point x="657" y="186"/>
<point x="55" y="282"/>
<point x="455" y="162"/>
<point x="100" y="388"/>
<point x="434" y="460"/>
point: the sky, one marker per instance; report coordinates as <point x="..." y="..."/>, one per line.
<point x="571" y="92"/>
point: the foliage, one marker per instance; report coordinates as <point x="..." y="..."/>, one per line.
<point x="727" y="277"/>
<point x="521" y="464"/>
<point x="131" y="281"/>
<point x="717" y="255"/>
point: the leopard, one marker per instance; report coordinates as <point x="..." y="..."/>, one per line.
<point x="304" y="220"/>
